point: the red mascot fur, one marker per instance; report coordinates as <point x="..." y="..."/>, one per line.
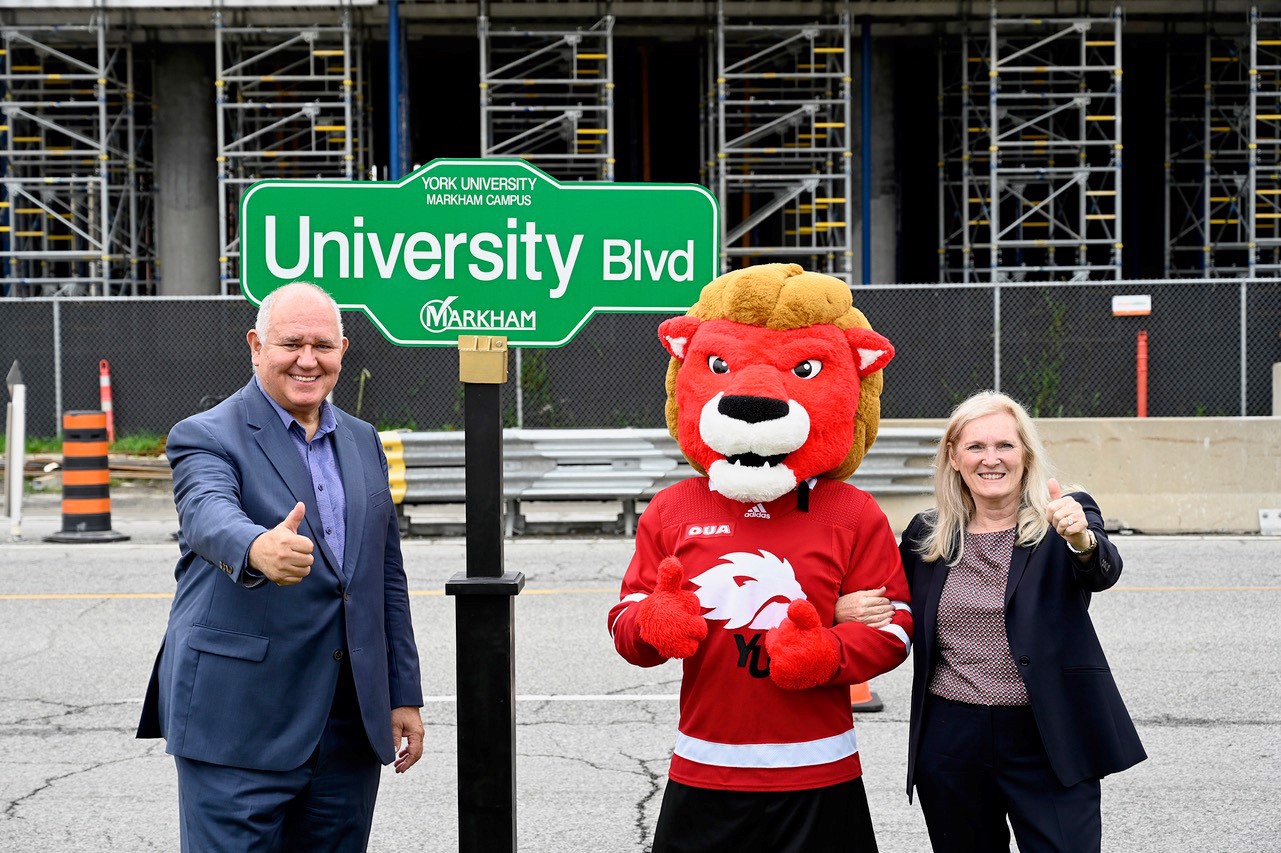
<point x="774" y="393"/>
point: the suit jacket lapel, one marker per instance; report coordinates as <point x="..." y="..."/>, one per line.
<point x="353" y="480"/>
<point x="1018" y="563"/>
<point x="938" y="577"/>
<point x="278" y="447"/>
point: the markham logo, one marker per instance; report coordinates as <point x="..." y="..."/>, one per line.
<point x="440" y="315"/>
<point x="710" y="530"/>
<point x="748" y="589"/>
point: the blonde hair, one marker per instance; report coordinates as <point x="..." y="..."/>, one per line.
<point x="954" y="506"/>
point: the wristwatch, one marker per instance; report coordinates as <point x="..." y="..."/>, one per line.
<point x="1094" y="543"/>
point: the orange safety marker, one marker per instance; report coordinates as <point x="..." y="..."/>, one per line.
<point x="104" y="393"/>
<point x="863" y="700"/>
<point x="86" y="480"/>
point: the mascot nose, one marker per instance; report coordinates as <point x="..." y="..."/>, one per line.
<point x="753" y="410"/>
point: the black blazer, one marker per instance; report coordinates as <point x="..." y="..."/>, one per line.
<point x="1079" y="713"/>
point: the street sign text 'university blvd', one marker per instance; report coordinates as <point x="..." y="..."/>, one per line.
<point x="482" y="247"/>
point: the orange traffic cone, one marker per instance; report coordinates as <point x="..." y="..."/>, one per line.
<point x="863" y="700"/>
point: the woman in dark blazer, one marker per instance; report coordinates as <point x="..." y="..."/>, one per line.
<point x="1014" y="710"/>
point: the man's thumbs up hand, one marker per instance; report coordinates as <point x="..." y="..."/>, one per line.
<point x="282" y="554"/>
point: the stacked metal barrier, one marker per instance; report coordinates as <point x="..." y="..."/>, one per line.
<point x="623" y="465"/>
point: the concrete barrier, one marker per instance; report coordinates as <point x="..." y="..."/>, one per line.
<point x="1156" y="475"/>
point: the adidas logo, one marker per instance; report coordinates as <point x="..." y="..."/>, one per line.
<point x="757" y="511"/>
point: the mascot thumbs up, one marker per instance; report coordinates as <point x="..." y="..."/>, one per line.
<point x="773" y="393"/>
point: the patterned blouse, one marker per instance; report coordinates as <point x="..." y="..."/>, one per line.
<point x="975" y="664"/>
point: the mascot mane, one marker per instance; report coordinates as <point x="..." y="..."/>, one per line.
<point x="782" y="297"/>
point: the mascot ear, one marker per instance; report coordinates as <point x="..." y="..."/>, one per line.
<point x="871" y="351"/>
<point x="676" y="333"/>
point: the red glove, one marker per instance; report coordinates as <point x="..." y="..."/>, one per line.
<point x="802" y="653"/>
<point x="670" y="618"/>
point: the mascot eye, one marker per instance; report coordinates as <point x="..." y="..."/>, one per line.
<point x="717" y="364"/>
<point x="808" y="369"/>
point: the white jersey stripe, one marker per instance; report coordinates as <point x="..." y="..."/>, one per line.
<point x="759" y="755"/>
<point x="898" y="631"/>
<point x="635" y="596"/>
<point x="901" y="605"/>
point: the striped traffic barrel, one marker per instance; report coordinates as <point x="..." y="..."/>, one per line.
<point x="86" y="480"/>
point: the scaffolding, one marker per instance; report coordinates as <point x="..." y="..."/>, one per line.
<point x="1039" y="179"/>
<point x="289" y="105"/>
<point x="782" y="120"/>
<point x="76" y="199"/>
<point x="1265" y="144"/>
<point x="547" y="96"/>
<point x="1207" y="161"/>
<point x="963" y="123"/>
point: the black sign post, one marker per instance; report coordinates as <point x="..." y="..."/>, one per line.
<point x="485" y="615"/>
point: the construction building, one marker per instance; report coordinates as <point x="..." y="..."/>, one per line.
<point x="881" y="141"/>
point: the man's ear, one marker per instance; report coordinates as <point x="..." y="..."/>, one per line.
<point x="676" y="334"/>
<point x="871" y="351"/>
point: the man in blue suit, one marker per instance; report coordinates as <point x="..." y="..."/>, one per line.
<point x="288" y="673"/>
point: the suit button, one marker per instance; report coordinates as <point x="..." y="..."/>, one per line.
<point x="337" y="654"/>
<point x="346" y="596"/>
<point x="1025" y="660"/>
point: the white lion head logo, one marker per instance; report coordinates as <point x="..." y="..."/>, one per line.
<point x="748" y="588"/>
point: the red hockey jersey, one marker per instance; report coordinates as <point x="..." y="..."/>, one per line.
<point x="738" y="730"/>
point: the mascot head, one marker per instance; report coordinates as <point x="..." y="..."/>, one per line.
<point x="775" y="377"/>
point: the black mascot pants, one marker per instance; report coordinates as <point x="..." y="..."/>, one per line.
<point x="700" y="820"/>
<point x="979" y="763"/>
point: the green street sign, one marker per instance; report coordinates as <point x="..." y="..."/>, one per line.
<point x="481" y="247"/>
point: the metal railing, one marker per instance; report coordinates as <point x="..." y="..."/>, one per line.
<point x="627" y="466"/>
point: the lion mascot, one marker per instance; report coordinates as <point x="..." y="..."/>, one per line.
<point x="773" y="392"/>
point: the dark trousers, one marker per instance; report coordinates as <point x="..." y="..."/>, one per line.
<point x="327" y="804"/>
<point x="978" y="764"/>
<point x="700" y="820"/>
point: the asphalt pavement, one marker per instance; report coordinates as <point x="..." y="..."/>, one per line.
<point x="1193" y="633"/>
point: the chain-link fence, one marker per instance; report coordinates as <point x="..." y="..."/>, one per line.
<point x="1056" y="347"/>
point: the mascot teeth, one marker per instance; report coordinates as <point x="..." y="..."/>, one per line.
<point x="755" y="460"/>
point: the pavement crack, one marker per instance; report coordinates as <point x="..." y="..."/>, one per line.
<point x="654" y="785"/>
<point x="10" y="811"/>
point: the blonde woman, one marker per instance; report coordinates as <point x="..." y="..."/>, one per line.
<point x="1014" y="710"/>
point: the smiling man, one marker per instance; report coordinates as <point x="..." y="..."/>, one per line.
<point x="288" y="673"/>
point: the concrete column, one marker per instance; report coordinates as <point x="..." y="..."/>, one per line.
<point x="884" y="200"/>
<point x="186" y="170"/>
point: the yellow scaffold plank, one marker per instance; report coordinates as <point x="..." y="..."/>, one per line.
<point x="1101" y="43"/>
<point x="1036" y="225"/>
<point x="829" y="50"/>
<point x="1267" y="192"/>
<point x="328" y="52"/>
<point x="26" y="139"/>
<point x="1268" y="215"/>
<point x="592" y="131"/>
<point x="28" y="233"/>
<point x="328" y="128"/>
<point x="1100" y="192"/>
<point x="831" y="200"/>
<point x="1100" y="118"/>
<point x="829" y="124"/>
<point x="1100" y="216"/>
<point x="1225" y="221"/>
<point x="592" y="55"/>
<point x="813" y="136"/>
<point x="28" y="210"/>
